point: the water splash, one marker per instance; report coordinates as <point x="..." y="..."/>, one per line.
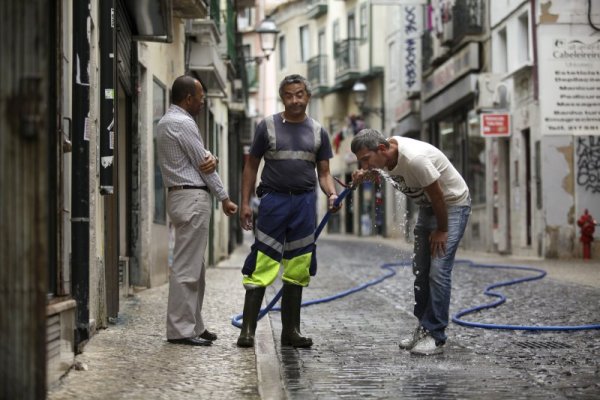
<point x="388" y="178"/>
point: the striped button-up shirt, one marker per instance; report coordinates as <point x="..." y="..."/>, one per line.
<point x="181" y="151"/>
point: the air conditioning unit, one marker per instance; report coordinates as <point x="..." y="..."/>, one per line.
<point x="502" y="96"/>
<point x="486" y="85"/>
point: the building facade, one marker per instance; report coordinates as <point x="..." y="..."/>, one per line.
<point x="89" y="224"/>
<point x="468" y="77"/>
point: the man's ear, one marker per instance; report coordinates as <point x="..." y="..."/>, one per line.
<point x="381" y="147"/>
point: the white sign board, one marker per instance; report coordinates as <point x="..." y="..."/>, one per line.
<point x="569" y="81"/>
<point x="412" y="18"/>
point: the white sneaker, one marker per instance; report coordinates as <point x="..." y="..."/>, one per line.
<point x="408" y="343"/>
<point x="427" y="347"/>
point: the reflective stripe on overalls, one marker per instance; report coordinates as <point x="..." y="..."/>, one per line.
<point x="285" y="227"/>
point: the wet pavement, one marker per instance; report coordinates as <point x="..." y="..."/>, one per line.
<point x="356" y="337"/>
<point x="356" y="352"/>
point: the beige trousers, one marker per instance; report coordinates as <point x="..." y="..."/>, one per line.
<point x="189" y="211"/>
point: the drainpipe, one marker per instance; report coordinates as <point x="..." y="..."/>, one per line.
<point x="80" y="222"/>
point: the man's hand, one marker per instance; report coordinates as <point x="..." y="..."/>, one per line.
<point x="229" y="207"/>
<point x="332" y="207"/>
<point x="437" y="243"/>
<point x="246" y="217"/>
<point x="361" y="175"/>
<point x="209" y="165"/>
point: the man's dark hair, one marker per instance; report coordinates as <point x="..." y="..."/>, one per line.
<point x="182" y="86"/>
<point x="369" y="139"/>
<point x="295" y="78"/>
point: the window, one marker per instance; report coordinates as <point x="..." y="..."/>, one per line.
<point x="364" y="34"/>
<point x="523" y="56"/>
<point x="351" y="28"/>
<point x="393" y="57"/>
<point x="335" y="36"/>
<point x="251" y="70"/>
<point x="158" y="110"/>
<point x="282" y="52"/>
<point x="304" y="43"/>
<point x="476" y="169"/>
<point x="500" y="56"/>
<point x="459" y="140"/>
<point x="245" y="18"/>
<point x="322" y="43"/>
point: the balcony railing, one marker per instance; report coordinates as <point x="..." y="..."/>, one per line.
<point x="317" y="72"/>
<point x="346" y="58"/>
<point x="468" y="18"/>
<point x="316" y="8"/>
<point x="190" y="9"/>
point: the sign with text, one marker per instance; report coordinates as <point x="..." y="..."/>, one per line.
<point x="460" y="64"/>
<point x="569" y="71"/>
<point x="495" y="125"/>
<point x="412" y="17"/>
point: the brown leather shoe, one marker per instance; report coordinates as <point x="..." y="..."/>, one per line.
<point x="207" y="335"/>
<point x="191" y="341"/>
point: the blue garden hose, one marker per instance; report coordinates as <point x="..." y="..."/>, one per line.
<point x="501" y="299"/>
<point x="389" y="267"/>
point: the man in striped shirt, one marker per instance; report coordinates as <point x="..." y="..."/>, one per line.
<point x="188" y="171"/>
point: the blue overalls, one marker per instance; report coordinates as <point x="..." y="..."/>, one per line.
<point x="286" y="225"/>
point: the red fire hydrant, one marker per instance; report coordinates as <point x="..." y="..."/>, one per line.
<point x="587" y="223"/>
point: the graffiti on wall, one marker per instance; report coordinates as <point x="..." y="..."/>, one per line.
<point x="588" y="163"/>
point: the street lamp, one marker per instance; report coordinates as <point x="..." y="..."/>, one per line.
<point x="267" y="34"/>
<point x="267" y="31"/>
<point x="360" y="98"/>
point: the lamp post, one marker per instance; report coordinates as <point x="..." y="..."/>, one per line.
<point x="267" y="32"/>
<point x="360" y="98"/>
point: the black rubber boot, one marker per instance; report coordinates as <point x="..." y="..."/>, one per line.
<point x="252" y="305"/>
<point x="291" y="301"/>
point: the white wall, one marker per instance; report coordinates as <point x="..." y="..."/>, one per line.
<point x="164" y="62"/>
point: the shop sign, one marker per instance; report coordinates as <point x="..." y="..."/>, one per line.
<point x="570" y="91"/>
<point x="495" y="125"/>
<point x="404" y="109"/>
<point x="456" y="67"/>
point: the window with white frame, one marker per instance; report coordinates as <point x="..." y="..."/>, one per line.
<point x="304" y="43"/>
<point x="523" y="55"/>
<point x="335" y="36"/>
<point x="500" y="52"/>
<point x="364" y="14"/>
<point x="245" y="18"/>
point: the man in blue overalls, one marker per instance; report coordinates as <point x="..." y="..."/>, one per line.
<point x="292" y="145"/>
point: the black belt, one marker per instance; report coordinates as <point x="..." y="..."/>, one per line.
<point x="261" y="191"/>
<point x="173" y="188"/>
<point x="294" y="192"/>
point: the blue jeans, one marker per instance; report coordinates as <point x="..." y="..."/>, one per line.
<point x="433" y="274"/>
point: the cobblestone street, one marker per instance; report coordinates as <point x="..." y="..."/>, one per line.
<point x="356" y="352"/>
<point x="133" y="360"/>
<point x="356" y="338"/>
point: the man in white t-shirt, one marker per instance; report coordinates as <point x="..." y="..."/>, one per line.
<point x="422" y="172"/>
